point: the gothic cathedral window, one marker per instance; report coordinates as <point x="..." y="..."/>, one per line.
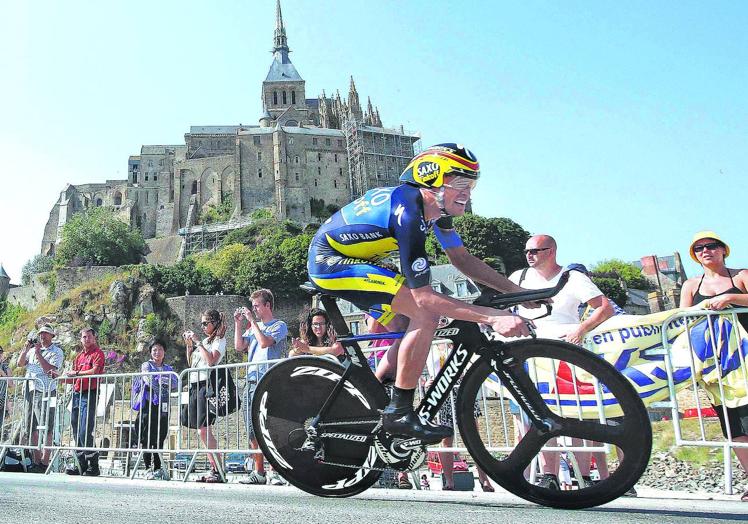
<point x="275" y="98"/>
<point x="293" y="97"/>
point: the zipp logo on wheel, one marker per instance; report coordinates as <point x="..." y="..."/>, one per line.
<point x="334" y="377"/>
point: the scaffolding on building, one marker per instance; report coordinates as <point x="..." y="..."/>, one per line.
<point x="376" y="155"/>
<point x="208" y="237"/>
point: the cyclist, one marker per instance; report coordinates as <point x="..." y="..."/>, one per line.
<point x="345" y="260"/>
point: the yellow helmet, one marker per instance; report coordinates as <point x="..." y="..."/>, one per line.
<point x="429" y="167"/>
<point x="701" y="235"/>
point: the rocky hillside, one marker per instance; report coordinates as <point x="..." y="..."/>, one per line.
<point x="125" y="311"/>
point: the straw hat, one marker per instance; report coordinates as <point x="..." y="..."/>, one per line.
<point x="701" y="235"/>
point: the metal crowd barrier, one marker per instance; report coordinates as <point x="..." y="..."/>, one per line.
<point x="117" y="439"/>
<point x="97" y="423"/>
<point x="695" y="391"/>
<point x="22" y="402"/>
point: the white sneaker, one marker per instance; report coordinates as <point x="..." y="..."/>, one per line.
<point x="277" y="480"/>
<point x="254" y="478"/>
<point x="152" y="475"/>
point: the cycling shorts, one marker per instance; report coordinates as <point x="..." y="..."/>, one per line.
<point x="362" y="282"/>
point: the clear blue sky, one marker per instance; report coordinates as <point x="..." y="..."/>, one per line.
<point x="618" y="127"/>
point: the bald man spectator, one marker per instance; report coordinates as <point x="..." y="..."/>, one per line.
<point x="563" y="323"/>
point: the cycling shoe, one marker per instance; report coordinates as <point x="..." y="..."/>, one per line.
<point x="412" y="426"/>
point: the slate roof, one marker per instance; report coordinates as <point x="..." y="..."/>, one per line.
<point x="282" y="70"/>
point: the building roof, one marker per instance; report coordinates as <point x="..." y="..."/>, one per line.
<point x="282" y="70"/>
<point x="3" y="274"/>
<point x="215" y="130"/>
<point x="324" y="131"/>
<point x="156" y="149"/>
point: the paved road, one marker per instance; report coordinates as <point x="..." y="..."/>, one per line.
<point x="26" y="498"/>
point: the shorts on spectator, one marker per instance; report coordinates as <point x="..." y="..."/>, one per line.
<point x="249" y="393"/>
<point x="37" y="411"/>
<point x="738" y="418"/>
<point x="446" y="417"/>
<point x="196" y="415"/>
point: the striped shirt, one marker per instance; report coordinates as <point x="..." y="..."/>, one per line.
<point x="53" y="355"/>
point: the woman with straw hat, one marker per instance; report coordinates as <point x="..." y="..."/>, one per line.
<point x="718" y="288"/>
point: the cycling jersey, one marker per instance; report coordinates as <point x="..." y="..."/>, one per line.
<point x="345" y="252"/>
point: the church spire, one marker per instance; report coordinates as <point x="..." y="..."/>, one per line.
<point x="354" y="106"/>
<point x="280" y="42"/>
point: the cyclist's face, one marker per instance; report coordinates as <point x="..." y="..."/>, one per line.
<point x="457" y="190"/>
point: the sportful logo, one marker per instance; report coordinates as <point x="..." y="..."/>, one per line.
<point x="419" y="264"/>
<point x="450" y="374"/>
<point x="334" y="377"/>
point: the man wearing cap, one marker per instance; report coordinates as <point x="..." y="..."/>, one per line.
<point x="718" y="288"/>
<point x="43" y="361"/>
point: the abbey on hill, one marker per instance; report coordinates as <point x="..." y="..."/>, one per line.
<point x="306" y="157"/>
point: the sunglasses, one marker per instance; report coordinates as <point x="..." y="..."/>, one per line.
<point x="462" y="184"/>
<point x="205" y="323"/>
<point x="711" y="246"/>
<point x="535" y="251"/>
<point x="319" y="324"/>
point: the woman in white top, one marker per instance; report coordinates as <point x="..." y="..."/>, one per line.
<point x="202" y="354"/>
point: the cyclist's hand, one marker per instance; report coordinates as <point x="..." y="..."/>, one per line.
<point x="511" y="326"/>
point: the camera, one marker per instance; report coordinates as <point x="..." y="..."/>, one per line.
<point x="32" y="338"/>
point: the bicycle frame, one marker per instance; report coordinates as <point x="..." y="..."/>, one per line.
<point x="467" y="341"/>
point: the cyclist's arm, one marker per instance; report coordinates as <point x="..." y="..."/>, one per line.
<point x="477" y="270"/>
<point x="470" y="265"/>
<point x="425" y="297"/>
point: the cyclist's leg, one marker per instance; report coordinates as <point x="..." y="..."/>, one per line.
<point x="387" y="367"/>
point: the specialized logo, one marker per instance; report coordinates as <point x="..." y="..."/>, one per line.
<point x="427" y="172"/>
<point x="448" y="376"/>
<point x="443" y="333"/>
<point x="345" y="436"/>
<point x="334" y="377"/>
<point x="419" y="264"/>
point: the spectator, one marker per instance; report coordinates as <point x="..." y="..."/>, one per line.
<point x="153" y="406"/>
<point x="4" y="372"/>
<point x="89" y="361"/>
<point x="317" y="336"/>
<point x="203" y="354"/>
<point x="425" y="482"/>
<point x="564" y="475"/>
<point x="563" y="323"/>
<point x="43" y="361"/>
<point x="263" y="339"/>
<point x="437" y="357"/>
<point x="718" y="288"/>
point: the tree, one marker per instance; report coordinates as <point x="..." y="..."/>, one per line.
<point x="488" y="239"/>
<point x="39" y="264"/>
<point x="99" y="238"/>
<point x="612" y="289"/>
<point x="181" y="278"/>
<point x="629" y="273"/>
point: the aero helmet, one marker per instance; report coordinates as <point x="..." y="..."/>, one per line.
<point x="429" y="167"/>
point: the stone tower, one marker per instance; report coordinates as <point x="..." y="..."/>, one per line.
<point x="283" y="91"/>
<point x="4" y="283"/>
